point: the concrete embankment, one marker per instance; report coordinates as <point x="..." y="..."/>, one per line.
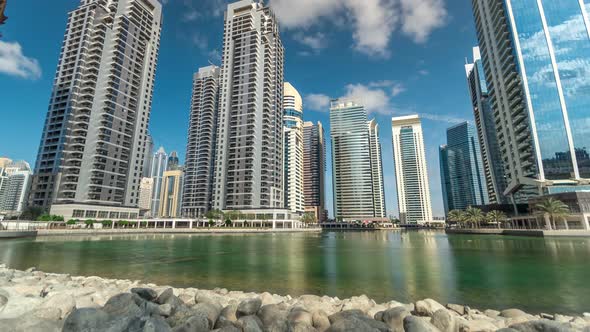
<point x="125" y="231"/>
<point x="35" y="301"/>
<point x="521" y="232"/>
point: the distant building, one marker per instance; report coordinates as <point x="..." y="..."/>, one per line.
<point x="536" y="61"/>
<point x="159" y="166"/>
<point x="249" y="157"/>
<point x="15" y="183"/>
<point x="149" y="155"/>
<point x="461" y="169"/>
<point x="314" y="169"/>
<point x="171" y="194"/>
<point x="173" y="161"/>
<point x="411" y="173"/>
<point x="146" y="192"/>
<point x="493" y="164"/>
<point x="355" y="179"/>
<point x="93" y="144"/>
<point x="201" y="143"/>
<point x="293" y="127"/>
<point x="377" y="170"/>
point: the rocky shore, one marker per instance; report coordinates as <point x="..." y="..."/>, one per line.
<point x="35" y="301"/>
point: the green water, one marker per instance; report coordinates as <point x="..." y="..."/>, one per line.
<point x="534" y="274"/>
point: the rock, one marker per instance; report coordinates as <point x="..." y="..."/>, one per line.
<point x="303" y="328"/>
<point x="3" y="301"/>
<point x="507" y="329"/>
<point x="45" y="313"/>
<point x="376" y="309"/>
<point x="415" y="324"/>
<point x="444" y="321"/>
<point x="320" y="321"/>
<point x="350" y="324"/>
<point x="123" y="305"/>
<point x="165" y="310"/>
<point x="542" y="325"/>
<point x="547" y="316"/>
<point x="345" y="315"/>
<point x="394" y="318"/>
<point x="480" y="325"/>
<point x="249" y="323"/>
<point x="181" y="316"/>
<point x="87" y="319"/>
<point x="64" y="302"/>
<point x="563" y="318"/>
<point x="164" y="296"/>
<point x="427" y="307"/>
<point x="156" y="324"/>
<point x="210" y="310"/>
<point x="248" y="307"/>
<point x="362" y="303"/>
<point x="31" y="270"/>
<point x="512" y="313"/>
<point x="229" y="312"/>
<point x="267" y="298"/>
<point x="282" y="325"/>
<point x="30" y="324"/>
<point x="228" y="329"/>
<point x="491" y="313"/>
<point x="300" y="316"/>
<point x="198" y="323"/>
<point x="271" y="313"/>
<point x="145" y="293"/>
<point x="19" y="305"/>
<point x="379" y="316"/>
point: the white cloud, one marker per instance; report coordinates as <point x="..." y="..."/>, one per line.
<point x="373" y="21"/>
<point x="421" y="17"/>
<point x="14" y="62"/>
<point x="317" y="102"/>
<point x="374" y="100"/>
<point x="315" y="41"/>
<point x="397" y="89"/>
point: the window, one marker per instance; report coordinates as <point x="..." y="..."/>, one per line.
<point x="78" y="214"/>
<point x="90" y="214"/>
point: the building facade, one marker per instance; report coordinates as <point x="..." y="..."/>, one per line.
<point x="493" y="164"/>
<point x="146" y="192"/>
<point x="314" y="170"/>
<point x="173" y="161"/>
<point x="461" y="169"/>
<point x="411" y="173"/>
<point x="171" y="194"/>
<point x="293" y="123"/>
<point x="15" y="183"/>
<point x="536" y="58"/>
<point x="94" y="138"/>
<point x="201" y="144"/>
<point x="159" y="166"/>
<point x="377" y="170"/>
<point x="249" y="158"/>
<point x="352" y="165"/>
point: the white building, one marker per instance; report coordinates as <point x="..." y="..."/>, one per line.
<point x="146" y="192"/>
<point x="377" y="170"/>
<point x="411" y="173"/>
<point x="94" y="141"/>
<point x="15" y="183"/>
<point x="293" y="123"/>
<point x="159" y="166"/>
<point x="249" y="158"/>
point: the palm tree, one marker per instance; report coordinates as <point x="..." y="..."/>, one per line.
<point x="554" y="209"/>
<point x="308" y="218"/>
<point x="496" y="217"/>
<point x="474" y="216"/>
<point x="456" y="216"/>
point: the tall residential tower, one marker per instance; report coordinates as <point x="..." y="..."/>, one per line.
<point x="411" y="173"/>
<point x="94" y="138"/>
<point x="314" y="169"/>
<point x="249" y="157"/>
<point x="293" y="122"/>
<point x="200" y="148"/>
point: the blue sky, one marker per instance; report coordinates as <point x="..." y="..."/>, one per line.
<point x="400" y="56"/>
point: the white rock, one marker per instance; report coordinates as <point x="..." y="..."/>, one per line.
<point x="428" y="307"/>
<point x="64" y="302"/>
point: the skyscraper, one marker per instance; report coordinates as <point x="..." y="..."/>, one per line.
<point x="159" y="166"/>
<point x="173" y="161"/>
<point x="171" y="194"/>
<point x="461" y="168"/>
<point x="536" y="57"/>
<point x="146" y="192"/>
<point x="493" y="165"/>
<point x="94" y="138"/>
<point x="353" y="164"/>
<point x="148" y="158"/>
<point x="249" y="160"/>
<point x="314" y="169"/>
<point x="15" y="182"/>
<point x="293" y="122"/>
<point x="201" y="145"/>
<point x="411" y="173"/>
<point x="377" y="170"/>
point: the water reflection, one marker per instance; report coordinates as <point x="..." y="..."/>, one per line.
<point x="481" y="271"/>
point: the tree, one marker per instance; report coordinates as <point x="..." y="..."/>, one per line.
<point x="32" y="213"/>
<point x="72" y="222"/>
<point x="456" y="216"/>
<point x="554" y="209"/>
<point x="107" y="223"/>
<point x="496" y="217"/>
<point x="211" y="223"/>
<point x="228" y="222"/>
<point x="123" y="223"/>
<point x="474" y="216"/>
<point x="89" y="223"/>
<point x="308" y="218"/>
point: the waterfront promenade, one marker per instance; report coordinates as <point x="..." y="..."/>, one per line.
<point x="520" y="232"/>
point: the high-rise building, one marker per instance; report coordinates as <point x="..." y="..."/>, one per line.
<point x="159" y="166"/>
<point x="411" y="173"/>
<point x="201" y="144"/>
<point x="148" y="158"/>
<point x="171" y="194"/>
<point x="461" y="169"/>
<point x="15" y="182"/>
<point x="353" y="164"/>
<point x="536" y="59"/>
<point x="314" y="169"/>
<point x="493" y="165"/>
<point x="173" y="161"/>
<point x="146" y="192"/>
<point x="377" y="170"/>
<point x="94" y="138"/>
<point x="249" y="157"/>
<point x="293" y="122"/>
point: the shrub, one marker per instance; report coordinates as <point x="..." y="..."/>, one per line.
<point x="72" y="222"/>
<point x="211" y="223"/>
<point x="107" y="223"/>
<point x="228" y="222"/>
<point x="90" y="223"/>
